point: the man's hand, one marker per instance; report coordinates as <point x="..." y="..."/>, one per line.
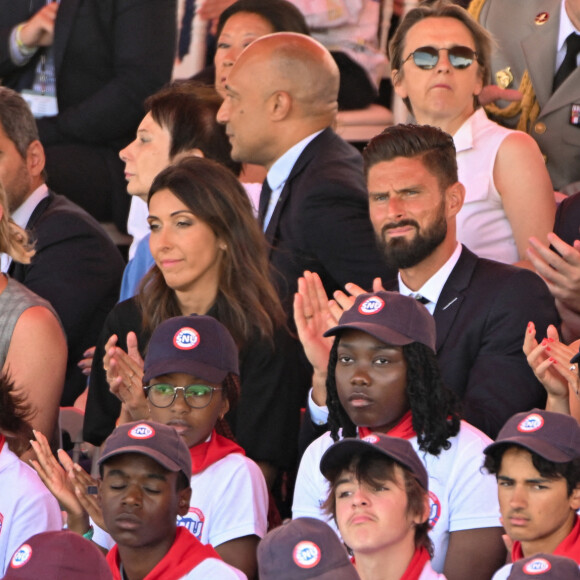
<point x="492" y="93"/>
<point x="39" y="30"/>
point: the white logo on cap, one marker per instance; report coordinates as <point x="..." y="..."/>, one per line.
<point x="141" y="431"/>
<point x="371" y="439"/>
<point x="21" y="557"/>
<point x="531" y="423"/>
<point x="306" y="554"/>
<point x="537" y="566"/>
<point x="186" y="338"/>
<point x="371" y="305"/>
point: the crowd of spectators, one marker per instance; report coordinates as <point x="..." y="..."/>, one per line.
<point x="320" y="360"/>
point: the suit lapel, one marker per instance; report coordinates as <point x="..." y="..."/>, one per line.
<point x="452" y="295"/>
<point x="539" y="50"/>
<point x="302" y="161"/>
<point x="62" y="29"/>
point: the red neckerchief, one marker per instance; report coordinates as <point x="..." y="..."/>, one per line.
<point x="184" y="555"/>
<point x="403" y="429"/>
<point x="2" y="441"/>
<point x="569" y="547"/>
<point x="207" y="453"/>
<point x="416" y="565"/>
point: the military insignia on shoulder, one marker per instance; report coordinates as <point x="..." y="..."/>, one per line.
<point x="504" y="77"/>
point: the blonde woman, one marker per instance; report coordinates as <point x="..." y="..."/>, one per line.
<point x="32" y="343"/>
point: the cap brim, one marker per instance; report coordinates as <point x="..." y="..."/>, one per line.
<point x="190" y="367"/>
<point x="382" y="333"/>
<point x="537" y="446"/>
<point x="163" y="460"/>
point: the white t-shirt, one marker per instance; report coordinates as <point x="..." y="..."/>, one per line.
<point x="229" y="500"/>
<point x="462" y="496"/>
<point x="429" y="574"/>
<point x="214" y="568"/>
<point x="26" y="506"/>
<point x="503" y="573"/>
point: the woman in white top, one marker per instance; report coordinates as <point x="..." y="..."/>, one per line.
<point x="440" y="62"/>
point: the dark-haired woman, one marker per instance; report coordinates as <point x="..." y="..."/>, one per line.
<point x="210" y="258"/>
<point x="383" y="376"/>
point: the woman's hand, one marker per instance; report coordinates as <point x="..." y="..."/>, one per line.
<point x="86" y="363"/>
<point x="125" y="376"/>
<point x="550" y="361"/>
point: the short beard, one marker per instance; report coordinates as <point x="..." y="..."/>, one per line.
<point x="401" y="253"/>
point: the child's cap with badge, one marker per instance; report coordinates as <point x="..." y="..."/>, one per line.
<point x="553" y="436"/>
<point x="61" y="555"/>
<point x="197" y="345"/>
<point x="161" y="443"/>
<point x="390" y="317"/>
<point x="545" y="567"/>
<point x="339" y="456"/>
<point x="302" y="549"/>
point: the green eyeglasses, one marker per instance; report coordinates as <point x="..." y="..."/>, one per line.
<point x="427" y="57"/>
<point x="196" y="396"/>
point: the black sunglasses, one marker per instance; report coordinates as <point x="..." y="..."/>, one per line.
<point x="427" y="57"/>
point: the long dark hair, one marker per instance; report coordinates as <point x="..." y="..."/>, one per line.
<point x="246" y="302"/>
<point x="433" y="406"/>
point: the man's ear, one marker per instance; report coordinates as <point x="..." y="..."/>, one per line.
<point x="35" y="159"/>
<point x="280" y="105"/>
<point x="184" y="497"/>
<point x="454" y="196"/>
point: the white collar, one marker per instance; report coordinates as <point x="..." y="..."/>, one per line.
<point x="434" y="286"/>
<point x="565" y="28"/>
<point x="282" y="167"/>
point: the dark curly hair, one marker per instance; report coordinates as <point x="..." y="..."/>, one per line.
<point x="570" y="470"/>
<point x="434" y="407"/>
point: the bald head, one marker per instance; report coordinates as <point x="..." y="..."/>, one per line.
<point x="283" y="87"/>
<point x="297" y="64"/>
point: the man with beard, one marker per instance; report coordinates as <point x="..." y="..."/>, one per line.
<point x="481" y="307"/>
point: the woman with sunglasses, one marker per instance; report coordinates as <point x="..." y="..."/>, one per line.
<point x="210" y="259"/>
<point x="440" y="61"/>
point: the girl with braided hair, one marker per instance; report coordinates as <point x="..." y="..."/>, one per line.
<point x="383" y="377"/>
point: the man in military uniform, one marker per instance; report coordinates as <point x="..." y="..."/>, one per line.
<point x="537" y="52"/>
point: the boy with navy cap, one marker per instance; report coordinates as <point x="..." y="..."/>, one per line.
<point x="545" y="567"/>
<point x="304" y="549"/>
<point x="379" y="499"/>
<point x="145" y="469"/>
<point x="61" y="555"/>
<point x="536" y="460"/>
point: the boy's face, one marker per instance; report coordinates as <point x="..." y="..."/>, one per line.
<point x="375" y="518"/>
<point x="536" y="511"/>
<point x="140" y="501"/>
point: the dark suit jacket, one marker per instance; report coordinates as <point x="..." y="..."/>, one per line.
<point x="567" y="222"/>
<point x="321" y="222"/>
<point x="78" y="269"/>
<point x="109" y="56"/>
<point x="481" y="317"/>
